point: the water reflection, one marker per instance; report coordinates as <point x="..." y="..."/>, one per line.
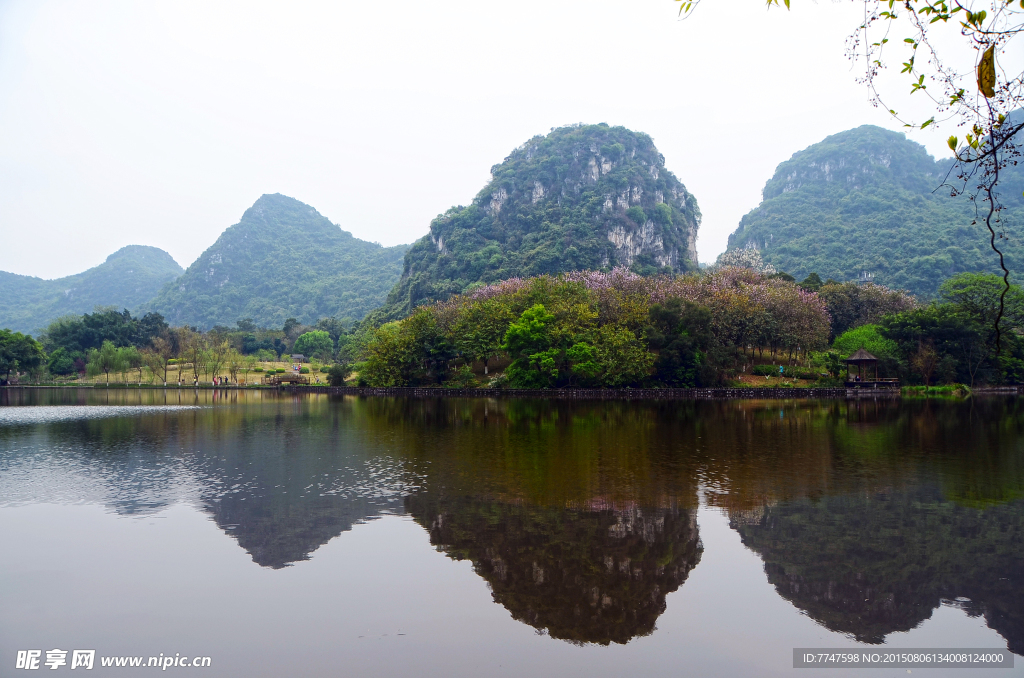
<point x="868" y="515"/>
<point x="873" y="563"/>
<point x="585" y="576"/>
<point x="281" y="476"/>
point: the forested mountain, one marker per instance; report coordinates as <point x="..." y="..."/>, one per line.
<point x="282" y="260"/>
<point x="582" y="197"/>
<point x="869" y="201"/>
<point x="130" y="276"/>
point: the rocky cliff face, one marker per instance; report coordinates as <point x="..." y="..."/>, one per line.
<point x="582" y="197"/>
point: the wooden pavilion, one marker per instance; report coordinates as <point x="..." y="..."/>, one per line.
<point x="866" y="362"/>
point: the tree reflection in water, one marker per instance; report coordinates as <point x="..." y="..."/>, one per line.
<point x="581" y="515"/>
<point x="874" y="563"/>
<point x="585" y="576"/>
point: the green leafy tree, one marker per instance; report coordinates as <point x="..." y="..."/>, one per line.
<point x="78" y="334"/>
<point x="104" y="360"/>
<point x="160" y="354"/>
<point x="235" y="361"/>
<point x="266" y="355"/>
<point x="61" y="363"/>
<point x="217" y="356"/>
<point x="193" y="350"/>
<point x="831" y="362"/>
<point x="248" y="364"/>
<point x="680" y="333"/>
<point x="18" y="352"/>
<point x="292" y="328"/>
<point x="316" y="343"/>
<point x="978" y="295"/>
<point x="944" y="341"/>
<point x="812" y="283"/>
<point x="131" y="359"/>
<point x="528" y="342"/>
<point x="434" y="349"/>
<point x="481" y="329"/>
<point x="621" y="358"/>
<point x="869" y="338"/>
<point x="338" y="373"/>
<point x="390" y="357"/>
<point x="153" y="363"/>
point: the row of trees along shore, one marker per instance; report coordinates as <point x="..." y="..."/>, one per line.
<point x="146" y="349"/>
<point x="586" y="329"/>
<point x="617" y="329"/>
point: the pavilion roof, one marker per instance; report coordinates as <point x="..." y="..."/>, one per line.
<point x="861" y="356"/>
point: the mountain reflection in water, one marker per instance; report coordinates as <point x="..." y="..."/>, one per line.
<point x="581" y="516"/>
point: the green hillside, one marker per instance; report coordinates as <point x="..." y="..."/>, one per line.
<point x="130" y="276"/>
<point x="282" y="260"/>
<point x="870" y="201"/>
<point x="582" y="197"/>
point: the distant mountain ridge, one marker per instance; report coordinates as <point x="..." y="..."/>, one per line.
<point x="582" y="197"/>
<point x="282" y="259"/>
<point x="869" y="202"/>
<point x="129" y="277"/>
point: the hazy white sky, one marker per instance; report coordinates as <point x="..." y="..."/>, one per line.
<point x="159" y="123"/>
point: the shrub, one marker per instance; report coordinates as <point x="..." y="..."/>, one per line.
<point x="303" y="370"/>
<point x="462" y="378"/>
<point x="637" y="215"/>
<point x="280" y="370"/>
<point x="765" y="370"/>
<point x="257" y="369"/>
<point x="498" y="381"/>
<point x="338" y="373"/>
<point x="172" y="361"/>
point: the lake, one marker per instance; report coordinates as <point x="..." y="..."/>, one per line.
<point x="316" y="535"/>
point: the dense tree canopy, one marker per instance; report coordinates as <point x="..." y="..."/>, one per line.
<point x="18" y="352"/>
<point x="314" y="343"/>
<point x="598" y="329"/>
<point x="78" y="334"/>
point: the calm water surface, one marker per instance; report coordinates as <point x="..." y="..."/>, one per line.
<point x="338" y="536"/>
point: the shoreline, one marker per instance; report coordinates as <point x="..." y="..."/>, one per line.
<point x="715" y="393"/>
<point x="722" y="393"/>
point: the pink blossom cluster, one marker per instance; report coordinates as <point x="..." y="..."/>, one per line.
<point x="500" y="289"/>
<point x="748" y="308"/>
